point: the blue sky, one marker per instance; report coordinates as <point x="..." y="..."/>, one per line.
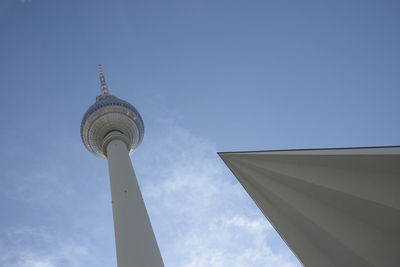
<point x="206" y="76"/>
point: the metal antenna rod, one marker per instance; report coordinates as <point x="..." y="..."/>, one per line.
<point x="104" y="87"/>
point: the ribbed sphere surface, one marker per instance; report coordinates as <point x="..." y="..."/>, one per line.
<point x="108" y="114"/>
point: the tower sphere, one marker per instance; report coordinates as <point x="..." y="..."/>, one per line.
<point x="111" y="118"/>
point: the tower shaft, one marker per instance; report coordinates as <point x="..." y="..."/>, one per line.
<point x="134" y="237"/>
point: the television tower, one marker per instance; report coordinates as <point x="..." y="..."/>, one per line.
<point x="113" y="129"/>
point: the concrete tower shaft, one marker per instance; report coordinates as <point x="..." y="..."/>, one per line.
<point x="134" y="237"/>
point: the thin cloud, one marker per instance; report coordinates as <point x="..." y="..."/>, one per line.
<point x="32" y="247"/>
<point x="201" y="215"/>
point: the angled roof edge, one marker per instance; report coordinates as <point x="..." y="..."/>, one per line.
<point x="377" y="150"/>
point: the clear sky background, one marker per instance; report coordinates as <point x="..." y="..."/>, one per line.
<point x="206" y="76"/>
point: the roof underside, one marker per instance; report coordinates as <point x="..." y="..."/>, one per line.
<point x="333" y="207"/>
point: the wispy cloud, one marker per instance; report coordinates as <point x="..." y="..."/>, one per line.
<point x="30" y="247"/>
<point x="56" y="213"/>
<point x="201" y="215"/>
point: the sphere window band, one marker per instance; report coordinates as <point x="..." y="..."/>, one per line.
<point x="110" y="102"/>
<point x="109" y="113"/>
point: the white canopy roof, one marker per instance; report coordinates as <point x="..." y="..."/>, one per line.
<point x="333" y="207"/>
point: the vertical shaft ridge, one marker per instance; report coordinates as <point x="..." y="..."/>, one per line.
<point x="135" y="241"/>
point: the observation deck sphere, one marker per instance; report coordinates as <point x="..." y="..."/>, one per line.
<point x="111" y="114"/>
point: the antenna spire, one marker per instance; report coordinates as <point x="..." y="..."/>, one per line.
<point x="104" y="87"/>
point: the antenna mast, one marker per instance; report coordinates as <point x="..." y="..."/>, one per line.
<point x="104" y="87"/>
